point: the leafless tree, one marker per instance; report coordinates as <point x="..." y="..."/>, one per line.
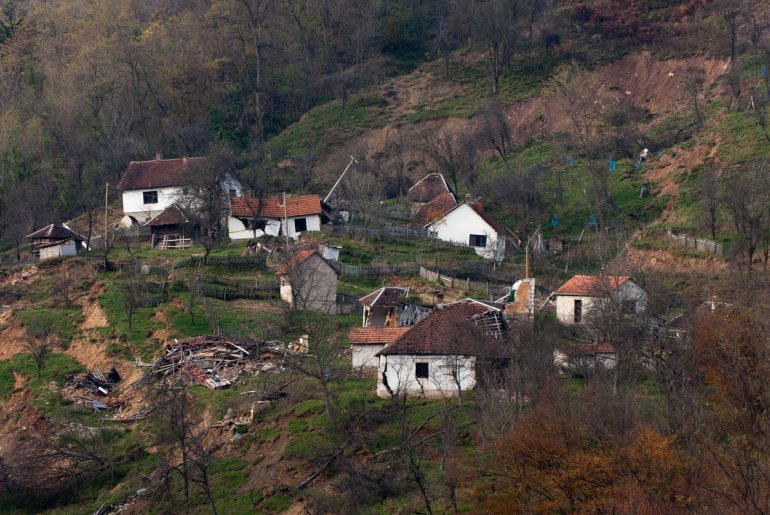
<point x="363" y="192"/>
<point x="453" y="155"/>
<point x="495" y="130"/>
<point x="693" y="81"/>
<point x="712" y="200"/>
<point x="40" y="348"/>
<point x="133" y="296"/>
<point x="746" y="199"/>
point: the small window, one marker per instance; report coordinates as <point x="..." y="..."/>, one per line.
<point x="478" y="240"/>
<point x="421" y="370"/>
<point x="150" y="197"/>
<point x="300" y="224"/>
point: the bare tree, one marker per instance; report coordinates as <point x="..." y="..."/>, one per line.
<point x="712" y="199"/>
<point x="495" y="130"/>
<point x="454" y="156"/>
<point x="363" y="192"/>
<point x="40" y="348"/>
<point x="693" y="81"/>
<point x="746" y="199"/>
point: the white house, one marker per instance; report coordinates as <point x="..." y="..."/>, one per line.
<point x="576" y="298"/>
<point x="366" y="342"/>
<point x="149" y="187"/>
<point x="55" y="240"/>
<point x="441" y="355"/>
<point x="252" y="217"/>
<point x="467" y="223"/>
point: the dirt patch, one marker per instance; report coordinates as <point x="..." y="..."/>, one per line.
<point x="24" y="275"/>
<point x="19" y="380"/>
<point x="93" y="315"/>
<point x="668" y="261"/>
<point x="12" y="338"/>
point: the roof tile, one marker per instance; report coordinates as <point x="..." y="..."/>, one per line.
<point x="159" y="173"/>
<point x="428" y="188"/>
<point x="591" y="285"/>
<point x="272" y="207"/>
<point x="376" y="335"/>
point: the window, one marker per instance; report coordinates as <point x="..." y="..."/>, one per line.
<point x="300" y="224"/>
<point x="578" y="311"/>
<point x="150" y="197"/>
<point x="421" y="370"/>
<point x="478" y="240"/>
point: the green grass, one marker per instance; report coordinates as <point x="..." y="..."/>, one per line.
<point x="55" y="369"/>
<point x="250" y="322"/>
<point x="59" y="321"/>
<point x="742" y="139"/>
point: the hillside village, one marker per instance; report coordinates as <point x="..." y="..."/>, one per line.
<point x="434" y="257"/>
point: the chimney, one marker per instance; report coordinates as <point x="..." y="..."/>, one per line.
<point x="468" y="198"/>
<point x="158" y="156"/>
<point x="184" y="160"/>
<point x="480" y="202"/>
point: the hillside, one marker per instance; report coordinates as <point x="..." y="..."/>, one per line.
<point x="140" y="380"/>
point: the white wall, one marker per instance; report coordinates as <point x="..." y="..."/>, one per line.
<point x="399" y="370"/>
<point x="237" y="231"/>
<point x="628" y="291"/>
<point x="364" y="356"/>
<point x="583" y="363"/>
<point x="133" y="202"/>
<point x="460" y="223"/>
<point x="68" y="248"/>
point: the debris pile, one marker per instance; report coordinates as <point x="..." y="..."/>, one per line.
<point x="214" y="361"/>
<point x="95" y="381"/>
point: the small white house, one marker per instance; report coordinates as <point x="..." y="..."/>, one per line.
<point x="468" y="224"/>
<point x="440" y="356"/>
<point x="276" y="215"/>
<point x="366" y="342"/>
<point x="55" y="240"/>
<point x="576" y="298"/>
<point x="149" y="187"/>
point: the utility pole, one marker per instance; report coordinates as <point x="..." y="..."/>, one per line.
<point x="352" y="160"/>
<point x="106" y="198"/>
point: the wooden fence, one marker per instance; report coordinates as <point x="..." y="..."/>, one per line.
<point x="701" y="245"/>
<point x="493" y="290"/>
<point x="375" y="270"/>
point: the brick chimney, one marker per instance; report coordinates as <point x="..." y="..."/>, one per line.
<point x="184" y="160"/>
<point x="468" y="198"/>
<point x="158" y="156"/>
<point x="480" y="202"/>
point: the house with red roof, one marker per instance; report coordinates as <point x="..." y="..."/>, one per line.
<point x="366" y="342"/>
<point x="579" y="296"/>
<point x="149" y="187"/>
<point x="275" y="215"/>
<point x="467" y="223"/>
<point x="445" y="353"/>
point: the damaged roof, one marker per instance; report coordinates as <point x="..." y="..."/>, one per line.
<point x="376" y="335"/>
<point x="428" y="188"/>
<point x="386" y="297"/>
<point x="159" y="173"/>
<point x="448" y="330"/>
<point x="691" y="319"/>
<point x="273" y="207"/>
<point x="434" y="209"/>
<point x="591" y="285"/>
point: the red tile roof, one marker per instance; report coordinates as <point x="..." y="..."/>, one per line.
<point x="169" y="216"/>
<point x="55" y="232"/>
<point x="435" y="209"/>
<point x="160" y="173"/>
<point x="376" y="335"/>
<point x="386" y="297"/>
<point x="428" y="188"/>
<point x="447" y="330"/>
<point x="272" y="207"/>
<point x="586" y="349"/>
<point x="591" y="285"/>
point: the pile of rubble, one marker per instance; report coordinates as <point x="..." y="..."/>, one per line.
<point x="96" y="383"/>
<point x="214" y="361"/>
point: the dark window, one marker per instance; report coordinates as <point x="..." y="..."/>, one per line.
<point x="150" y="197"/>
<point x="300" y="224"/>
<point x="478" y="240"/>
<point x="421" y="370"/>
<point x="578" y="311"/>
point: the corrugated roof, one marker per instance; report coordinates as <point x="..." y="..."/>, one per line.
<point x="435" y="209"/>
<point x="169" y="216"/>
<point x="386" y="297"/>
<point x="376" y="335"/>
<point x="591" y="285"/>
<point x="272" y="207"/>
<point x="159" y="173"/>
<point x="447" y="330"/>
<point x="55" y="232"/>
<point x="428" y="188"/>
